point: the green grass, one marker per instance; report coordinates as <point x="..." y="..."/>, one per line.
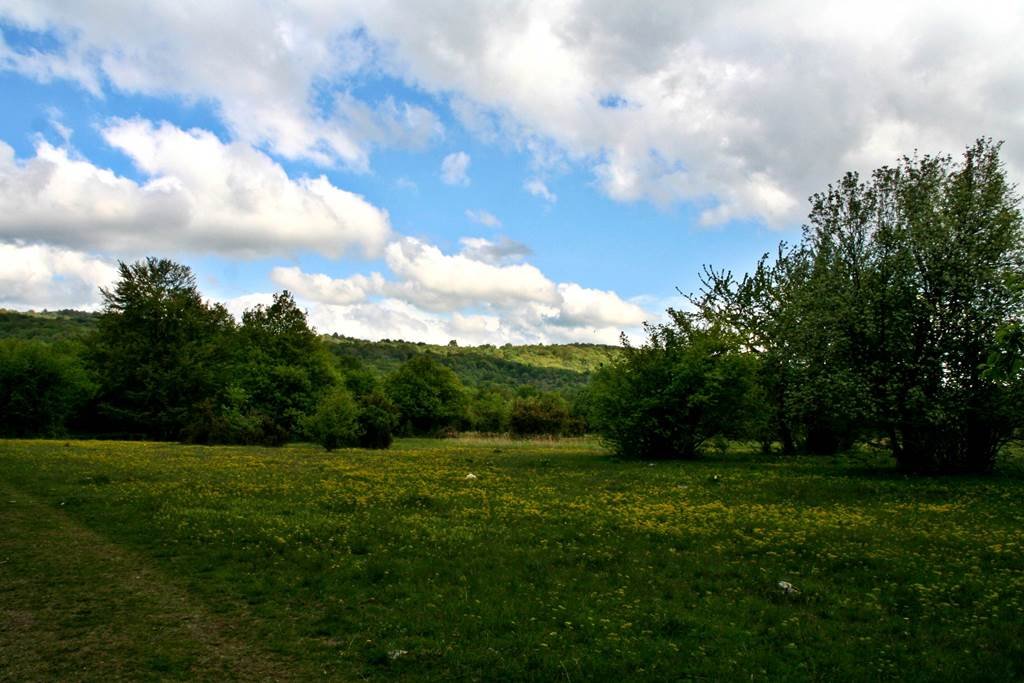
<point x="144" y="560"/>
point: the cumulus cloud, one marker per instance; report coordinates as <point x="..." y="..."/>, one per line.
<point x="200" y="194"/>
<point x="446" y="282"/>
<point x="475" y="296"/>
<point x="483" y="218"/>
<point x="538" y="188"/>
<point x="34" y="276"/>
<point x="455" y="168"/>
<point x="742" y="108"/>
<point x="263" y="71"/>
<point x="328" y="290"/>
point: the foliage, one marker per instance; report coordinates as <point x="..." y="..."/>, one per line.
<point x="808" y="399"/>
<point x="49" y="326"/>
<point x="489" y="409"/>
<point x="895" y="315"/>
<point x="228" y="419"/>
<point x="542" y="413"/>
<point x="564" y="368"/>
<point x="921" y="259"/>
<point x="557" y="367"/>
<point x="429" y="397"/>
<point x="335" y="422"/>
<point x="159" y="350"/>
<point x="42" y="387"/>
<point x="664" y="399"/>
<point x="284" y="368"/>
<point x="378" y="419"/>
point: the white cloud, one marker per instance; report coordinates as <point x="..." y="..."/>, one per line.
<point x="54" y="117"/>
<point x="46" y="67"/>
<point x="238" y="305"/>
<point x="200" y="195"/>
<point x="483" y="218"/>
<point x="263" y="70"/>
<point x="34" y="276"/>
<point x="324" y="289"/>
<point x="744" y="108"/>
<point x="454" y="169"/>
<point x="432" y="297"/>
<point x="473" y="296"/>
<point x="582" y="307"/>
<point x="446" y="282"/>
<point x="538" y="188"/>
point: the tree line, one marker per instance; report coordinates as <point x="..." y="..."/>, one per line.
<point x="163" y="364"/>
<point x="896" y="318"/>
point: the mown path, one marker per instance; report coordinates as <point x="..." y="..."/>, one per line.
<point x="74" y="606"/>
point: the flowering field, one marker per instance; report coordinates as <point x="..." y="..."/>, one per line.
<point x="555" y="561"/>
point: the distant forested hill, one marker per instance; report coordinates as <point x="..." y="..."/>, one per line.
<point x="48" y="326"/>
<point x="551" y="367"/>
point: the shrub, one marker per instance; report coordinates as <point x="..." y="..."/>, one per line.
<point x="335" y="423"/>
<point x="545" y="413"/>
<point x="377" y="420"/>
<point x="41" y="387"/>
<point x="667" y="397"/>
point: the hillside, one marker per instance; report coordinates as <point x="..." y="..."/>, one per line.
<point x="47" y="326"/>
<point x="552" y="367"/>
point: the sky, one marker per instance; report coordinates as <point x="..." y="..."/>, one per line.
<point x="490" y="172"/>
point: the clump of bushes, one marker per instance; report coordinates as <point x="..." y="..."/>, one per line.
<point x="665" y="398"/>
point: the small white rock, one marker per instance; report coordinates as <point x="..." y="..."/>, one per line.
<point x="788" y="588"/>
<point x="471" y="476"/>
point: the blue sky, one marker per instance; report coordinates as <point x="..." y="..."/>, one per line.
<point x="535" y="172"/>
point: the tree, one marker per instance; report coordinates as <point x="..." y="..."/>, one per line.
<point x="898" y="313"/>
<point x="924" y="258"/>
<point x="41" y="387"/>
<point x="429" y="397"/>
<point x="159" y="350"/>
<point x="664" y="399"/>
<point x="284" y="367"/>
<point x="810" y="399"/>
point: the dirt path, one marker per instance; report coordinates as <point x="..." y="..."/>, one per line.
<point x="74" y="606"/>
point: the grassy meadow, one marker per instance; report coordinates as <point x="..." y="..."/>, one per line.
<point x="557" y="562"/>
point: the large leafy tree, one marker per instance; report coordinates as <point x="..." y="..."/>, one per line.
<point x="924" y="257"/>
<point x="159" y="350"/>
<point x="898" y="313"/>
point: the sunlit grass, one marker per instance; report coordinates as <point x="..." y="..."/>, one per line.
<point x="559" y="561"/>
